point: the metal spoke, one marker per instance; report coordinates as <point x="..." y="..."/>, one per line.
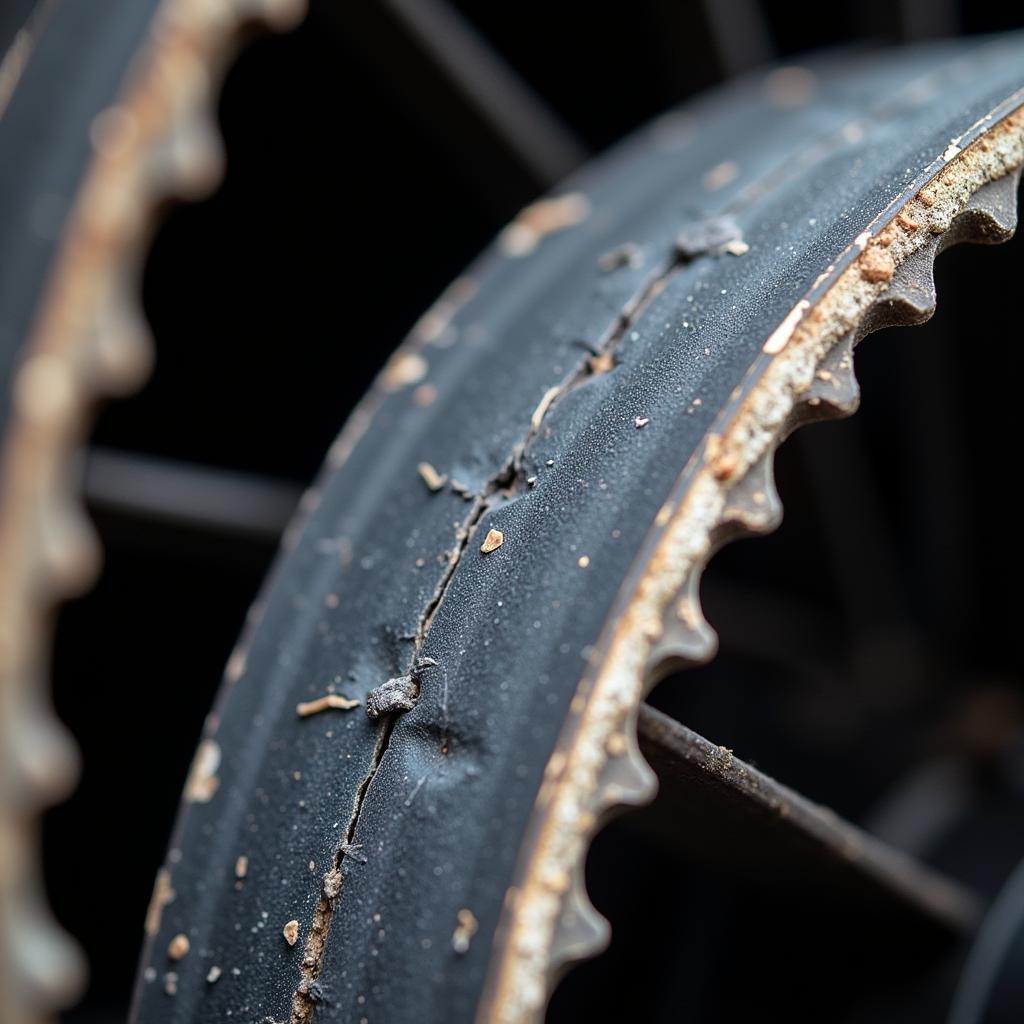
<point x="928" y="19"/>
<point x="740" y="33"/>
<point x="463" y="89"/>
<point x="181" y="494"/>
<point x="714" y="806"/>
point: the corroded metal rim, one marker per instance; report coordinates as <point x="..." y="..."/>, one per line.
<point x="596" y="764"/>
<point x="88" y="340"/>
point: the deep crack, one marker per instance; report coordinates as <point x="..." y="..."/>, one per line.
<point x="508" y="481"/>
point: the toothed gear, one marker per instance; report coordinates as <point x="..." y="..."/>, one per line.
<point x="127" y="89"/>
<point x="483" y="798"/>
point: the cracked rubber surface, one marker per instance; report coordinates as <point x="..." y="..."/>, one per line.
<point x="433" y="806"/>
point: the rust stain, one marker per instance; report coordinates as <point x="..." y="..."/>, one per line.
<point x="877" y="265"/>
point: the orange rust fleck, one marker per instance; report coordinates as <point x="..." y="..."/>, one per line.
<point x="616" y="744"/>
<point x="424" y="395"/>
<point x="877" y="265"/>
<point x="493" y="541"/>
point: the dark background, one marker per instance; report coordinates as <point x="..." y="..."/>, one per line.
<point x="358" y="185"/>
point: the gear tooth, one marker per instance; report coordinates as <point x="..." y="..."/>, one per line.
<point x="168" y="146"/>
<point x="189" y="160"/>
<point x="41" y="755"/>
<point x="910" y="298"/>
<point x="48" y="965"/>
<point x="627" y="779"/>
<point x="833" y="393"/>
<point x="687" y="638"/>
<point x="123" y="350"/>
<point x="753" y="504"/>
<point x="990" y="215"/>
<point x="70" y="549"/>
<point x="580" y="932"/>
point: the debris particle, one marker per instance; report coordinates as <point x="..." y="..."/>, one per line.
<point x="330" y="700"/>
<point x="779" y="338"/>
<point x="213" y="974"/>
<point x="707" y="236"/>
<point x="332" y="883"/>
<point x="312" y="866"/>
<point x="332" y="600"/>
<point x="721" y="175"/>
<point x="178" y="946"/>
<point x="464" y="931"/>
<point x="737" y="247"/>
<point x="583" y="561"/>
<point x="628" y="255"/>
<point x="403" y="369"/>
<point x="545" y="403"/>
<point x="906" y="222"/>
<point x="951" y="151"/>
<point x="459" y="488"/>
<point x="424" y="395"/>
<point x="531" y="481"/>
<point x="434" y="480"/>
<point x="493" y="541"/>
<point x="291" y="932"/>
<point x="601" y="362"/>
<point x="397" y="694"/>
<point x="791" y="87"/>
<point x="540" y="219"/>
<point x="171" y="983"/>
<point x="641" y="421"/>
<point x="162" y="895"/>
<point x="241" y="867"/>
<point x="722" y="464"/>
<point x="616" y="744"/>
<point x="202" y="777"/>
<point x="877" y="265"/>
